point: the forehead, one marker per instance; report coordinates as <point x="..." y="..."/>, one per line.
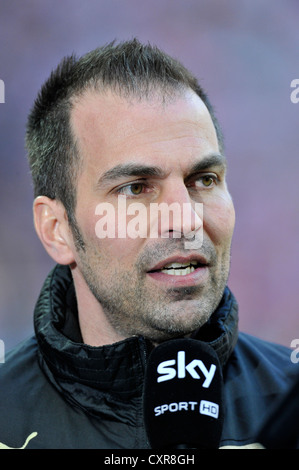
<point x="110" y="129"/>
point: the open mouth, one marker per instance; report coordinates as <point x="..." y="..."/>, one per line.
<point x="180" y="269"/>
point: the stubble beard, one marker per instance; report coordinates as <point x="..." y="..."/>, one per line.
<point x="134" y="307"/>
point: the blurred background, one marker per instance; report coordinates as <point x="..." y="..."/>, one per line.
<point x="246" y="53"/>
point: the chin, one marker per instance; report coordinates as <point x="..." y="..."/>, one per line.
<point x="159" y="335"/>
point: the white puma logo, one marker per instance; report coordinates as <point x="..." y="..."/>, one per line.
<point x="31" y="436"/>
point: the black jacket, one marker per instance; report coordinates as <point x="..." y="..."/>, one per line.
<point x="56" y="392"/>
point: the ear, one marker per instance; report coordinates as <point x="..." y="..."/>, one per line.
<point x="51" y="225"/>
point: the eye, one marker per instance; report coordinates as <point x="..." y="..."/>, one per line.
<point x="136" y="188"/>
<point x="132" y="189"/>
<point x="207" y="180"/>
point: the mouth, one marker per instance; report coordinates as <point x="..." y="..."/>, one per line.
<point x="180" y="270"/>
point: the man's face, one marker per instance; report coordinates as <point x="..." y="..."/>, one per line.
<point x="152" y="152"/>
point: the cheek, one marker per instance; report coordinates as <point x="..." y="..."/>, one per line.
<point x="219" y="220"/>
<point x="121" y="251"/>
<point x="110" y="239"/>
<point x="120" y="234"/>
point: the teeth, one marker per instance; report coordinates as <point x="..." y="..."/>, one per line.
<point x="179" y="269"/>
<point x="177" y="265"/>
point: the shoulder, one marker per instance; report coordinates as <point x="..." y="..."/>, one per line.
<point x="18" y="363"/>
<point x="257" y="375"/>
<point x="20" y="376"/>
<point x="21" y="387"/>
<point x="262" y="361"/>
<point x="258" y="349"/>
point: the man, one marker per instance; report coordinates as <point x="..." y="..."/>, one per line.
<point x="126" y="124"/>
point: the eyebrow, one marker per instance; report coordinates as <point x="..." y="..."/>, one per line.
<point x="210" y="161"/>
<point x="125" y="170"/>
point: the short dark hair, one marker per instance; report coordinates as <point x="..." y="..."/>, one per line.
<point x="128" y="68"/>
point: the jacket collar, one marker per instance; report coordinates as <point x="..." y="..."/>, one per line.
<point x="116" y="369"/>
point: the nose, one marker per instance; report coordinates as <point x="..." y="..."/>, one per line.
<point x="178" y="216"/>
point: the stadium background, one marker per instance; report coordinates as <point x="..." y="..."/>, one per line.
<point x="246" y="55"/>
